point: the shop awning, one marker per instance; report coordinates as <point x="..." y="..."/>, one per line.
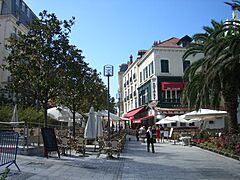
<point x="133" y="112"/>
<point x="172" y="85"/>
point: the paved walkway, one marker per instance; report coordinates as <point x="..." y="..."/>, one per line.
<point x="168" y="162"/>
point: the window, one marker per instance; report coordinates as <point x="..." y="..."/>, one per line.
<point x="144" y="75"/>
<point x="168" y="96"/>
<point x="15" y="30"/>
<point x="149" y="69"/>
<point x="191" y="124"/>
<point x="186" y="63"/>
<point x="28" y="12"/>
<point x="164" y="66"/>
<point x="140" y="77"/>
<point x="152" y="67"/>
<point x="182" y="124"/>
<point x="174" y="124"/>
<point x="146" y="72"/>
<point x="23" y="7"/>
<point x="211" y="122"/>
<point x="146" y="95"/>
<point x="17" y="3"/>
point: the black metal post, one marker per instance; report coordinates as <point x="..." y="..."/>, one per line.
<point x="119" y="112"/>
<point x="109" y="154"/>
<point x="108" y="71"/>
<point x="108" y="111"/>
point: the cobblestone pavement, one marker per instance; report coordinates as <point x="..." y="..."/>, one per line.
<point x="168" y="162"/>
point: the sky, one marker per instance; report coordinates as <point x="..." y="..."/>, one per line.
<point x="109" y="31"/>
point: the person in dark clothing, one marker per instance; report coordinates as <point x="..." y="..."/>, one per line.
<point x="137" y="134"/>
<point x="149" y="135"/>
<point x="162" y="133"/>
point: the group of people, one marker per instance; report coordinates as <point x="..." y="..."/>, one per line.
<point x="153" y="135"/>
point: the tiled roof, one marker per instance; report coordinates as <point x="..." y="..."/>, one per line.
<point x="172" y="42"/>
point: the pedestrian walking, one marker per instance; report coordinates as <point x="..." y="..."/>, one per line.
<point x="162" y="133"/>
<point x="149" y="135"/>
<point x="157" y="134"/>
<point x="137" y="133"/>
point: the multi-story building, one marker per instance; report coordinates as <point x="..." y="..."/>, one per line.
<point x="159" y="73"/>
<point x="15" y="18"/>
<point x="122" y="69"/>
<point x="130" y="84"/>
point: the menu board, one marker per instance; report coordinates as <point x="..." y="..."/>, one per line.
<point x="49" y="140"/>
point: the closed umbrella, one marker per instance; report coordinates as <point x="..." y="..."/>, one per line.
<point x="90" y="128"/>
<point x="99" y="128"/>
<point x="14" y="119"/>
<point x="15" y="115"/>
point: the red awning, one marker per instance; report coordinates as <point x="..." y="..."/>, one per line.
<point x="133" y="112"/>
<point x="172" y="85"/>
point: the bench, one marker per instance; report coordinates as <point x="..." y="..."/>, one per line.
<point x="8" y="148"/>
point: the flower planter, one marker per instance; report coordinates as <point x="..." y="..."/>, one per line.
<point x="219" y="151"/>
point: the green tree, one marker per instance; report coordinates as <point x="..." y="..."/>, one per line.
<point x="35" y="59"/>
<point x="215" y="74"/>
<point x="74" y="73"/>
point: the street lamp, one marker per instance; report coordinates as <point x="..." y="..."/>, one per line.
<point x="108" y="71"/>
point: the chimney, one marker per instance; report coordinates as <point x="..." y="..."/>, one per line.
<point x="131" y="61"/>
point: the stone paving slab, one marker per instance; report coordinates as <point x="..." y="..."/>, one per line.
<point x="135" y="163"/>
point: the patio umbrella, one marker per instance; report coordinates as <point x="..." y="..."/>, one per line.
<point x="99" y="128"/>
<point x="205" y="114"/>
<point x="113" y="117"/>
<point x="15" y="115"/>
<point x="164" y="121"/>
<point x="171" y="119"/>
<point x="90" y="129"/>
<point x="14" y="119"/>
<point x="63" y="114"/>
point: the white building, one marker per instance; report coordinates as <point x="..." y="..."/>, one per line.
<point x="15" y="17"/>
<point x="158" y="72"/>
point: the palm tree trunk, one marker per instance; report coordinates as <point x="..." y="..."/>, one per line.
<point x="231" y="105"/>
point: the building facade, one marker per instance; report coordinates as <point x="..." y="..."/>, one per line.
<point x="159" y="78"/>
<point x="15" y="18"/>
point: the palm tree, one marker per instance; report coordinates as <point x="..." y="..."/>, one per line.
<point x="215" y="74"/>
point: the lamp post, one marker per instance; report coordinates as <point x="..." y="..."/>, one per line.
<point x="108" y="71"/>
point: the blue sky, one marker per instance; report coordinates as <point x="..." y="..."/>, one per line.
<point x="109" y="31"/>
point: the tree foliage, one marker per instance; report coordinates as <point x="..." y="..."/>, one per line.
<point x="44" y="65"/>
<point x="215" y="77"/>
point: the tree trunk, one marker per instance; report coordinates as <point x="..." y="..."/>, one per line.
<point x="45" y="113"/>
<point x="74" y="121"/>
<point x="231" y="105"/>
